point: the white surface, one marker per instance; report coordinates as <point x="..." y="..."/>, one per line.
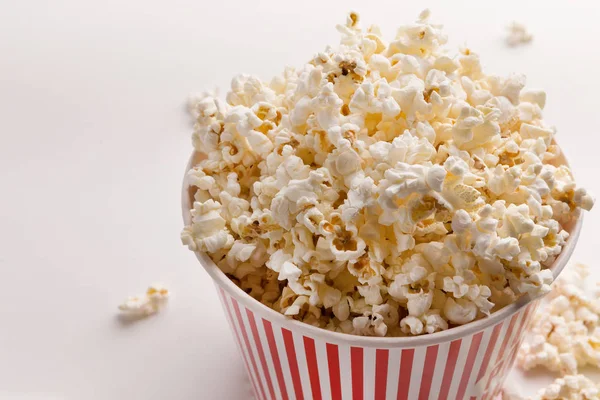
<point x="94" y="139"/>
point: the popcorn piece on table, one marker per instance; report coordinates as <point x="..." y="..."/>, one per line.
<point x="384" y="188"/>
<point x="518" y="34"/>
<point x="155" y="298"/>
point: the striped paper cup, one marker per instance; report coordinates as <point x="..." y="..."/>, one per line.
<point x="287" y="359"/>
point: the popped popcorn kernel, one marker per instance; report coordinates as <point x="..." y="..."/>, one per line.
<point x="517" y="34"/>
<point x="154" y="299"/>
<point x="384" y="188"/>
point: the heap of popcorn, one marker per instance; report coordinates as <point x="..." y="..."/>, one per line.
<point x="384" y="188"/>
<point x="565" y="336"/>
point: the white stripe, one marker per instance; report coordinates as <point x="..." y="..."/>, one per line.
<point x="393" y="374"/>
<point x="268" y="356"/>
<point x="369" y="357"/>
<point x="241" y="345"/>
<point x="417" y="372"/>
<point x="302" y="365"/>
<point x="283" y="360"/>
<point x="460" y="366"/>
<point x="254" y="350"/>
<point x="438" y="373"/>
<point x="345" y="373"/>
<point x="321" y="350"/>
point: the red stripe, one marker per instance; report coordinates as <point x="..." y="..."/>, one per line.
<point x="236" y="308"/>
<point x="497" y="392"/>
<point x="490" y="382"/>
<point x="502" y="363"/>
<point x="516" y="342"/>
<point x="519" y="335"/>
<point x="428" y="371"/>
<point x="526" y="323"/>
<point x="333" y="361"/>
<point x="406" y="364"/>
<point x="473" y="398"/>
<point x="528" y="312"/>
<point x="493" y="393"/>
<point x="275" y="357"/>
<point x="488" y="352"/>
<point x="469" y="364"/>
<point x="510" y="360"/>
<point x="381" y="370"/>
<point x="512" y="343"/>
<point x="356" y="364"/>
<point x="507" y="337"/>
<point x="290" y="350"/>
<point x="449" y="370"/>
<point x="313" y="368"/>
<point x="238" y="340"/>
<point x="522" y="323"/>
<point x="261" y="353"/>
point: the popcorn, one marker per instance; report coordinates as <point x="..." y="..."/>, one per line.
<point x="384" y="189"/>
<point x="564" y="337"/>
<point x="478" y="294"/>
<point x="370" y="325"/>
<point x="142" y="306"/>
<point x="281" y="262"/>
<point x="537" y="97"/>
<point x="517" y="34"/>
<point x="412" y="325"/>
<point x="430" y="322"/>
<point x="208" y="231"/>
<point x="460" y="311"/>
<point x="403" y="181"/>
<point x="570" y="387"/>
<point x="582" y="199"/>
<point x="566" y="333"/>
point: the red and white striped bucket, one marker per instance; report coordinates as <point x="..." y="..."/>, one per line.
<point x="287" y="359"/>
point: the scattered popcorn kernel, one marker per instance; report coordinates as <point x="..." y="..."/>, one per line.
<point x="517" y="34"/>
<point x="384" y="188"/>
<point x="155" y="298"/>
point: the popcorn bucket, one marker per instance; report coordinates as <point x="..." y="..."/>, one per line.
<point x="287" y="359"/>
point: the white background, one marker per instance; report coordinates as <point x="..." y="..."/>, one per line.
<point x="94" y="138"/>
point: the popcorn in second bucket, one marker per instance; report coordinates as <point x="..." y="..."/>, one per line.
<point x="384" y="188"/>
